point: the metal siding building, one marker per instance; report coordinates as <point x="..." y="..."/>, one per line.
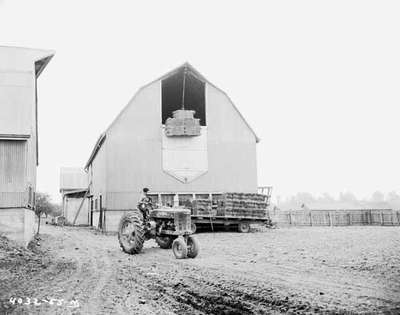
<point x="19" y="70"/>
<point x="134" y="153"/>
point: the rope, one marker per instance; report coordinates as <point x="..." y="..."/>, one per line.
<point x="183" y="89"/>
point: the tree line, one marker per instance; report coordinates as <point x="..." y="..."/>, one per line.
<point x="345" y="200"/>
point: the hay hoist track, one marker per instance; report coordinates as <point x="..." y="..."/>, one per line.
<point x="274" y="271"/>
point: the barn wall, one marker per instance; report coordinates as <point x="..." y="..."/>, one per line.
<point x="18" y="119"/>
<point x="17" y="103"/>
<point x="134" y="150"/>
<point x="73" y="178"/>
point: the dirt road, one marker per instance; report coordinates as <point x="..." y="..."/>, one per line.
<point x="313" y="270"/>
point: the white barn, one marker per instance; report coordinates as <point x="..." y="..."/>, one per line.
<point x="19" y="71"/>
<point x="136" y="151"/>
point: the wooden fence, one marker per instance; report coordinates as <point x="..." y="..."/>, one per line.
<point x="386" y="217"/>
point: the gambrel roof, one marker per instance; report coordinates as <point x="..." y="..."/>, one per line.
<point x="194" y="72"/>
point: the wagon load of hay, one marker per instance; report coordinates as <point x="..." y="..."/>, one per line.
<point x="202" y="206"/>
<point x="242" y="205"/>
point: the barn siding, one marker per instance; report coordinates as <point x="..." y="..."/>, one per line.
<point x="13" y="170"/>
<point x="16" y="101"/>
<point x="12" y="165"/>
<point x="73" y="178"/>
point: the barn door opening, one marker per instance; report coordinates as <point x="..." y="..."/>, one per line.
<point x="183" y="82"/>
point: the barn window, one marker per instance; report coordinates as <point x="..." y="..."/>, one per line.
<point x="12" y="165"/>
<point x="193" y="97"/>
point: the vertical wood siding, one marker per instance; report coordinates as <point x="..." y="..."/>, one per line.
<point x="13" y="190"/>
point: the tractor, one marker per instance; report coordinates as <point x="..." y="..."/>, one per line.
<point x="170" y="227"/>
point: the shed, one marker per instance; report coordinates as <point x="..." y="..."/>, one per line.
<point x="202" y="151"/>
<point x="19" y="157"/>
<point x="74" y="191"/>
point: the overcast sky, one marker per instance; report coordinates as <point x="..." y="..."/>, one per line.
<point x="319" y="81"/>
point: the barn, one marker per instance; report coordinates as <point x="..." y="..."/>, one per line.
<point x="74" y="189"/>
<point x="19" y="71"/>
<point x="180" y="136"/>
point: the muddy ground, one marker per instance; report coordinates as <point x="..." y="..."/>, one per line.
<point x="273" y="271"/>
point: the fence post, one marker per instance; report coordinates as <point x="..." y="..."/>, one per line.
<point x="381" y="217"/>
<point x="349" y="218"/>
<point x="290" y="218"/>
<point x="310" y="219"/>
<point x="330" y="218"/>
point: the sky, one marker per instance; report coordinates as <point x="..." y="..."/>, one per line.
<point x="318" y="81"/>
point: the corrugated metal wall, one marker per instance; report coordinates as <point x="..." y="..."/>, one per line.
<point x="13" y="170"/>
<point x="12" y="165"/>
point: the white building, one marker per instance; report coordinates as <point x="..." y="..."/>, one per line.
<point x="19" y="70"/>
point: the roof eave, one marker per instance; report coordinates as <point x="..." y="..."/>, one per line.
<point x="96" y="149"/>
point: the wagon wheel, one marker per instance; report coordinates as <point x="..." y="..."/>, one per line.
<point x="244" y="227"/>
<point x="193" y="227"/>
<point x="131" y="232"/>
<point x="193" y="247"/>
<point x="179" y="248"/>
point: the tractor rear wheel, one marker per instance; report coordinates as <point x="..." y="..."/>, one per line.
<point x="193" y="247"/>
<point x="131" y="232"/>
<point x="179" y="248"/>
<point x="165" y="242"/>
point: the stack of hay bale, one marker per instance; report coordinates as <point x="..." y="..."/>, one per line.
<point x="242" y="205"/>
<point x="183" y="123"/>
<point x="202" y="207"/>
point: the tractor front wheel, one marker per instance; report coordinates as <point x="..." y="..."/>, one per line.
<point x="179" y="248"/>
<point x="131" y="232"/>
<point x="193" y="247"/>
<point x="165" y="242"/>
